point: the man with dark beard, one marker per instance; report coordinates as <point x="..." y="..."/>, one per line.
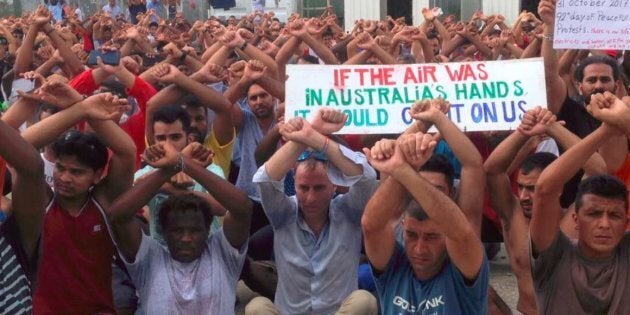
<point x="595" y="74"/>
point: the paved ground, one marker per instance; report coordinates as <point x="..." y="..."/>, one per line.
<point x="501" y="278"/>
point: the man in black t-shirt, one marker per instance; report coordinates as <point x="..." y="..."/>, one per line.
<point x="595" y="74"/>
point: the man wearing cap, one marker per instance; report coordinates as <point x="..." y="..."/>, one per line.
<point x="317" y="234"/>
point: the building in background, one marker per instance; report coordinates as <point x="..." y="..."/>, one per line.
<point x="347" y="10"/>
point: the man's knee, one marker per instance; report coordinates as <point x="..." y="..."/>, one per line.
<point x="261" y="306"/>
<point x="359" y="302"/>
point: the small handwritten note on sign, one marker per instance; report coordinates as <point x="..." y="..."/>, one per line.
<point x="592" y="24"/>
<point x="491" y="95"/>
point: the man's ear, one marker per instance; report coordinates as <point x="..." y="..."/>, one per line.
<point x="574" y="215"/>
<point x="98" y="176"/>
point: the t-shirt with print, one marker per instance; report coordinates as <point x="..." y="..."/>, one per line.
<point x="156" y="201"/>
<point x="565" y="282"/>
<point x="447" y="293"/>
<point x="15" y="288"/>
<point x="204" y="286"/>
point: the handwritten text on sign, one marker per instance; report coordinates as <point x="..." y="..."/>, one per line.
<point x="483" y="95"/>
<point x="592" y="24"/>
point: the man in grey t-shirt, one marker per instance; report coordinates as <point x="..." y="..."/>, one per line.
<point x="195" y="274"/>
<point x="590" y="276"/>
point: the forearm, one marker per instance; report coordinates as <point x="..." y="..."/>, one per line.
<point x="143" y="44"/>
<point x="614" y="152"/>
<point x="283" y="160"/>
<point x="219" y="56"/>
<point x="207" y="95"/>
<point x="516" y="51"/>
<point x="24" y="59"/>
<point x="255" y="53"/>
<point x="566" y="61"/>
<point x="69" y="58"/>
<point x="267" y="146"/>
<point x="332" y="150"/>
<point x="439" y="207"/>
<point x="116" y="140"/>
<point x="427" y="51"/>
<point x="387" y="203"/>
<point x="549" y="55"/>
<point x="125" y="207"/>
<point x="444" y="34"/>
<point x="214" y="48"/>
<point x="46" y="68"/>
<point x="18" y="153"/>
<point x="321" y="50"/>
<point x="485" y="50"/>
<point x="501" y="158"/>
<point x="127" y="48"/>
<point x="19" y="112"/>
<point x="192" y="63"/>
<point x="358" y="59"/>
<point x="463" y="149"/>
<point x="45" y="132"/>
<point x="233" y="199"/>
<point x="566" y="139"/>
<point x="236" y="91"/>
<point x="449" y="46"/>
<point x="385" y="57"/>
<point x="532" y="50"/>
<point x="125" y="77"/>
<point x="273" y="86"/>
<point x="553" y="178"/>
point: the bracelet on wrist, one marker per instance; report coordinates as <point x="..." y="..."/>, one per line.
<point x="183" y="57"/>
<point x="244" y="45"/>
<point x="325" y="147"/>
<point x="548" y="37"/>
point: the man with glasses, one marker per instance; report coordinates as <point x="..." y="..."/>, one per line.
<point x="317" y="233"/>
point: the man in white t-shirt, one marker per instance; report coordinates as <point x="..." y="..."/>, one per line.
<point x="197" y="272"/>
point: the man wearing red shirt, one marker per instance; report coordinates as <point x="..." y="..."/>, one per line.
<point x="75" y="273"/>
<point x="90" y="80"/>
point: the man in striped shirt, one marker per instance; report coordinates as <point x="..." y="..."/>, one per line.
<point x="19" y="235"/>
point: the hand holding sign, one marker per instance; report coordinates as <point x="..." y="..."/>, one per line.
<point x="328" y="121"/>
<point x="547" y="11"/>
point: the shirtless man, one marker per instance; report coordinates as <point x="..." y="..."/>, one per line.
<point x="515" y="210"/>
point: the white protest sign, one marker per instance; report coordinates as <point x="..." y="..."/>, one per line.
<point x="592" y="24"/>
<point x="491" y="95"/>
